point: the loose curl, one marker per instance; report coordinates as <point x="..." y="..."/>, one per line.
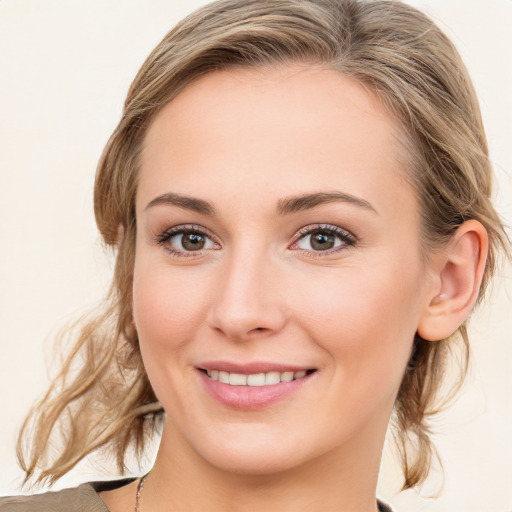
<point x="102" y="397"/>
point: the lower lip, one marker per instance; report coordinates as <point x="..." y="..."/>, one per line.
<point x="247" y="398"/>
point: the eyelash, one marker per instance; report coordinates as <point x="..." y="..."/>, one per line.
<point x="346" y="238"/>
<point x="167" y="235"/>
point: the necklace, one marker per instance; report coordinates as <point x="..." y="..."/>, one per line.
<point x="143" y="479"/>
<point x="139" y="492"/>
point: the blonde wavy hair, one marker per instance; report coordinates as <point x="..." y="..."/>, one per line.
<point x="102" y="397"/>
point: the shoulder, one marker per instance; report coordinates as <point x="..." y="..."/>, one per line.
<point x="78" y="499"/>
<point x="83" y="498"/>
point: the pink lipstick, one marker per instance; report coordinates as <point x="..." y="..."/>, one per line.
<point x="252" y="386"/>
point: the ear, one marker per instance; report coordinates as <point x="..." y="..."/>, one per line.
<point x="458" y="273"/>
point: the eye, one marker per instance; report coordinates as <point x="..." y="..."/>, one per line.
<point x="184" y="240"/>
<point x="323" y="238"/>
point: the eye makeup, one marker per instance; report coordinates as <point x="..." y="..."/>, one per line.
<point x="323" y="239"/>
<point x="316" y="240"/>
<point x="192" y="238"/>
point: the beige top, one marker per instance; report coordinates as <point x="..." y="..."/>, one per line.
<point x="83" y="498"/>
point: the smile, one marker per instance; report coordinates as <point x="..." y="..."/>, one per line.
<point x="256" y="379"/>
<point x="253" y="386"/>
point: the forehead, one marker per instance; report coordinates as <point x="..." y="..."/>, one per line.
<point x="297" y="127"/>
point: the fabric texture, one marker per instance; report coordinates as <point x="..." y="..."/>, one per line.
<point x="83" y="498"/>
<point x="79" y="499"/>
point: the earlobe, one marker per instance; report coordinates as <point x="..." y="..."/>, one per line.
<point x="459" y="271"/>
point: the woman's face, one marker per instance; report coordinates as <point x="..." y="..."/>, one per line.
<point x="277" y="239"/>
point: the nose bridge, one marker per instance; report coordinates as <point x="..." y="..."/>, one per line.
<point x="248" y="300"/>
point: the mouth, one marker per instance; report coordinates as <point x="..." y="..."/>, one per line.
<point x="253" y="386"/>
<point x="270" y="378"/>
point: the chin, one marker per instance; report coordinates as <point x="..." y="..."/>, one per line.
<point x="245" y="448"/>
<point x="257" y="449"/>
<point x="263" y="461"/>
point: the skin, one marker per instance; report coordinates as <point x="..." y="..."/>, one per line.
<point x="244" y="141"/>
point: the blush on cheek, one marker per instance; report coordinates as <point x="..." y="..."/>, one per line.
<point x="168" y="306"/>
<point x="369" y="323"/>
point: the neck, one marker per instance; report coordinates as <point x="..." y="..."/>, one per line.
<point x="342" y="481"/>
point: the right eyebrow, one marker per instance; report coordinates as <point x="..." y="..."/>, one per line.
<point x="182" y="201"/>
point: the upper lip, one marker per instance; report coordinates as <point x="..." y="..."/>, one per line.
<point x="252" y="367"/>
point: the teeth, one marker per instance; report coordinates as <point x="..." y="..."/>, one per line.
<point x="272" y="378"/>
<point x="237" y="379"/>
<point x="255" y="379"/>
<point x="287" y="377"/>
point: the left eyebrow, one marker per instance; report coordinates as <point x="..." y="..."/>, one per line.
<point x="299" y="203"/>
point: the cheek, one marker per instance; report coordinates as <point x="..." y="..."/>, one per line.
<point x="168" y="305"/>
<point x="364" y="319"/>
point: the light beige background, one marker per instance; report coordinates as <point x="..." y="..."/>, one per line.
<point x="65" y="66"/>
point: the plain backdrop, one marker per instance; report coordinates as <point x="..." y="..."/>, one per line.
<point x="65" y="66"/>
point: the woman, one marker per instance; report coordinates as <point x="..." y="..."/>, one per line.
<point x="299" y="196"/>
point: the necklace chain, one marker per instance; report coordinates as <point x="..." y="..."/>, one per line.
<point x="141" y="485"/>
<point x="139" y="492"/>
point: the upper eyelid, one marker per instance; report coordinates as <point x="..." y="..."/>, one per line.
<point x="307" y="230"/>
<point x="187" y="228"/>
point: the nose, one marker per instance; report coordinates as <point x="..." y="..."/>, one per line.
<point x="250" y="301"/>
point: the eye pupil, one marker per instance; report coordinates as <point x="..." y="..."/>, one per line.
<point x="322" y="241"/>
<point x="193" y="241"/>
